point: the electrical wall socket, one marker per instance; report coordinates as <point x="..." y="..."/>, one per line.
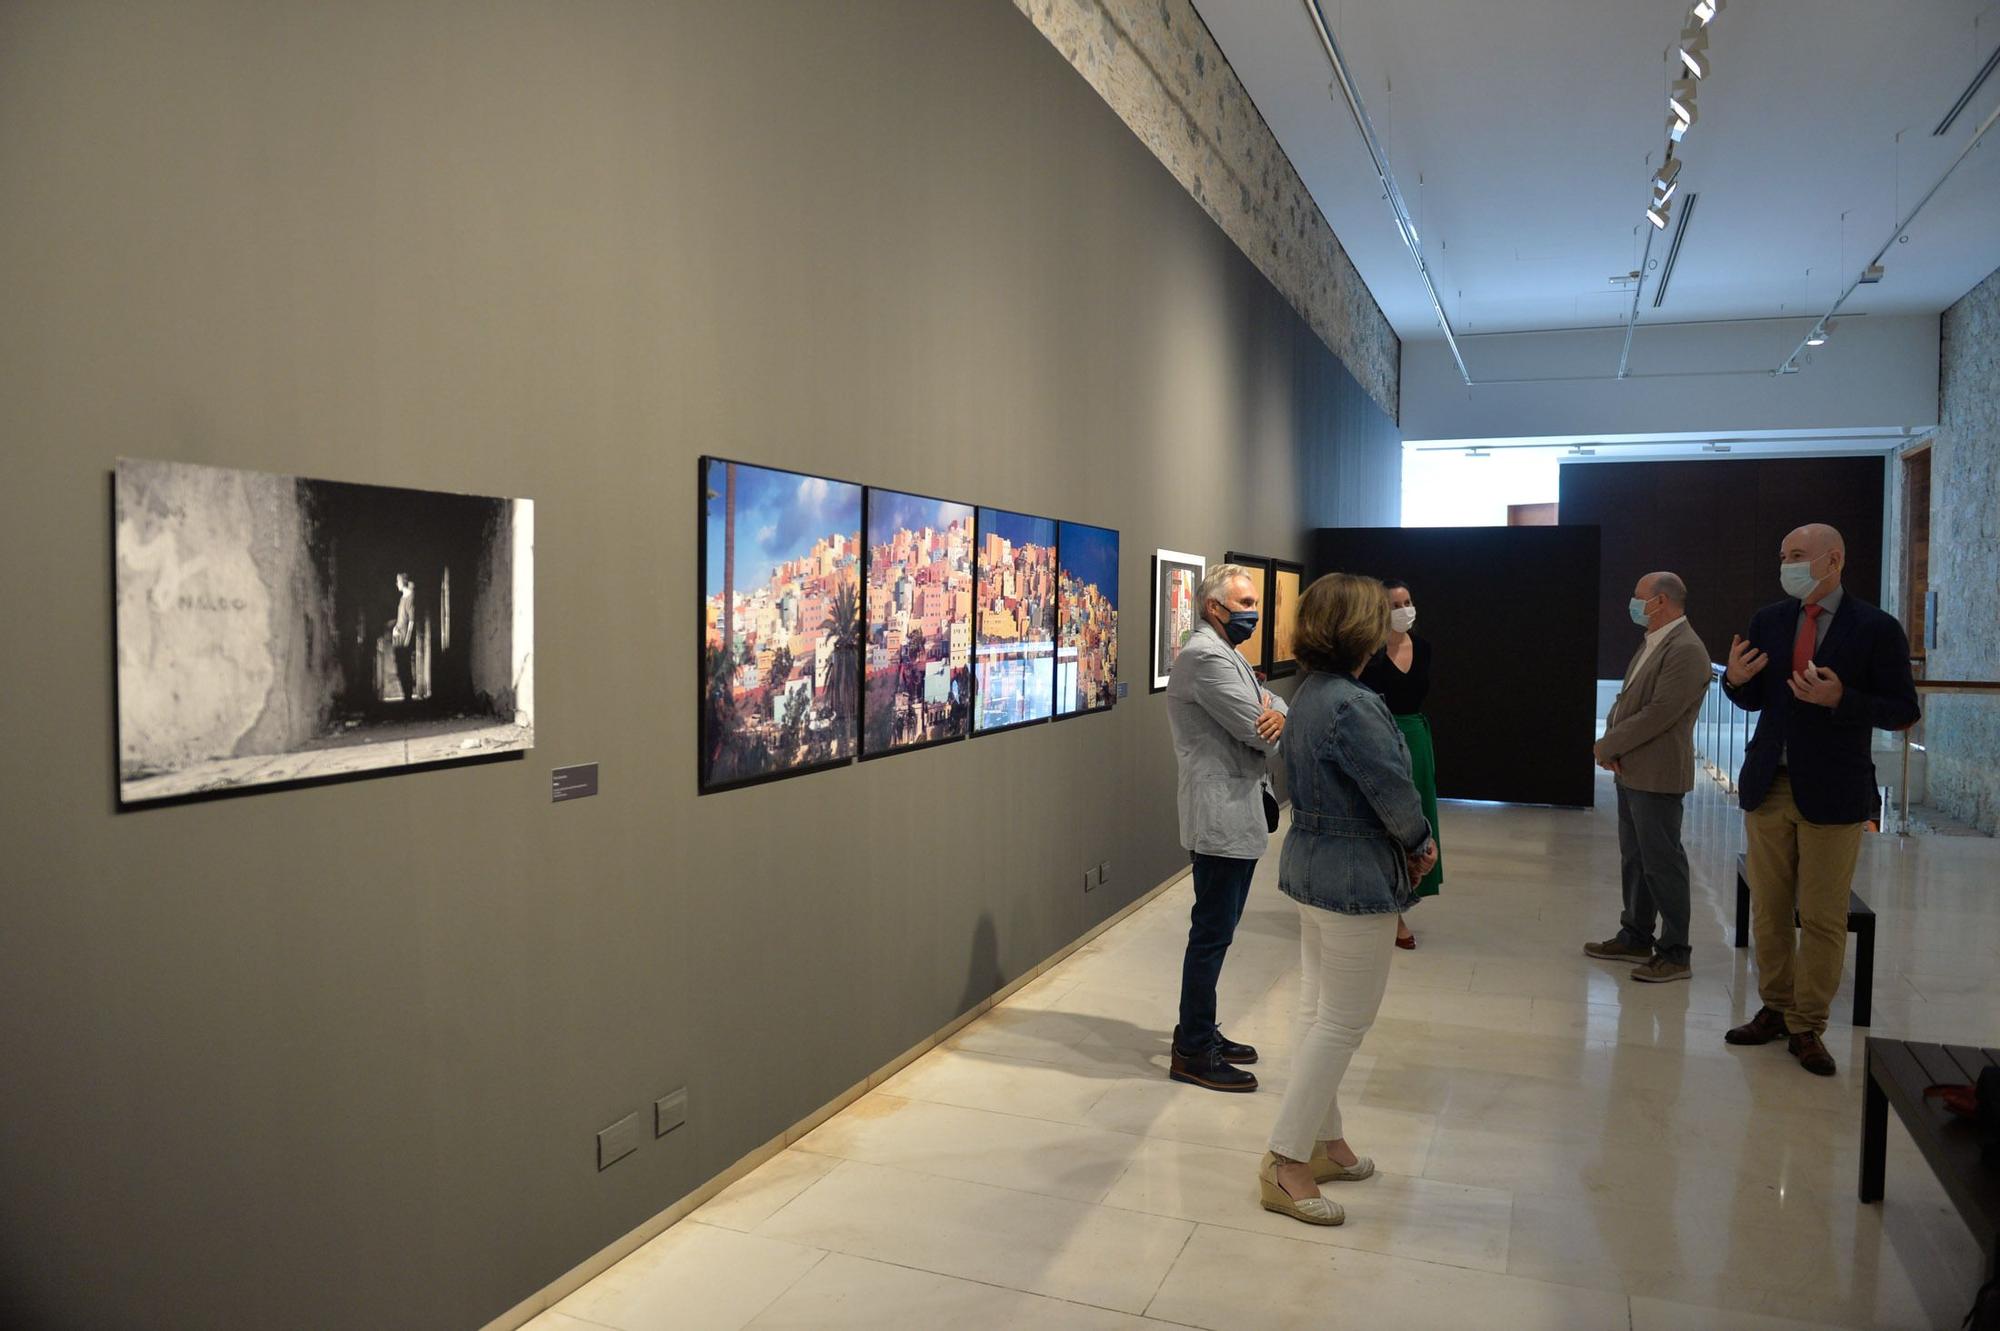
<point x="617" y="1141"/>
<point x="670" y="1112"/>
<point x="1104" y="873"/>
<point x="1089" y="880"/>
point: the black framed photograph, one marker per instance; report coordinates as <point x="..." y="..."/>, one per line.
<point x="780" y="638"/>
<point x="1282" y="614"/>
<point x="917" y="632"/>
<point x="1176" y="584"/>
<point x="1087" y="620"/>
<point x="1014" y="630"/>
<point x="1257" y="647"/>
<point x="273" y="630"/>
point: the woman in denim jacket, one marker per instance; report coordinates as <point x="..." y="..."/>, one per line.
<point x="1358" y="845"/>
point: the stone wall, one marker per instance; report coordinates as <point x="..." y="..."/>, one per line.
<point x="1964" y="733"/>
<point x="1157" y="66"/>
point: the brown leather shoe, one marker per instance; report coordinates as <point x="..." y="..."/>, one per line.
<point x="1616" y="948"/>
<point x="1812" y="1054"/>
<point x="1766" y="1026"/>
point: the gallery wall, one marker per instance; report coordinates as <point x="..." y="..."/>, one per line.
<point x="346" y="1048"/>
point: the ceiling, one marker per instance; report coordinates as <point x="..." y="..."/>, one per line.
<point x="1521" y="133"/>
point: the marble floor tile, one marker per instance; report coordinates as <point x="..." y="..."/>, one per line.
<point x="1447" y="1223"/>
<point x="998" y="1236"/>
<point x="1233" y="1280"/>
<point x="761" y="1194"/>
<point x="847" y="1293"/>
<point x="977" y="1146"/>
<point x="692" y="1276"/>
<point x="1560" y="1146"/>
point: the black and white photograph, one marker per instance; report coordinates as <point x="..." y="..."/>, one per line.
<point x="275" y="629"/>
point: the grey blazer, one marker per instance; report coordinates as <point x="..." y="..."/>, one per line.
<point x="1213" y="702"/>
<point x="1651" y="727"/>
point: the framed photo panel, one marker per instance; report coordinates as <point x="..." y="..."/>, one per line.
<point x="1256" y="648"/>
<point x="1087" y="622"/>
<point x="1283" y="616"/>
<point x="781" y="623"/>
<point x="1014" y="621"/>
<point x="1176" y="581"/>
<point x="273" y="630"/>
<point x="917" y="632"/>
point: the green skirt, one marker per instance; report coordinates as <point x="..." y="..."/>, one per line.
<point x="1416" y="730"/>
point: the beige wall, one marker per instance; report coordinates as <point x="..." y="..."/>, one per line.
<point x="345" y="1049"/>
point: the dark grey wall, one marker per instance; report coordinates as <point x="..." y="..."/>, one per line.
<point x="337" y="1056"/>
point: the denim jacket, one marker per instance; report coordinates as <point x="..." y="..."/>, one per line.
<point x="1356" y="815"/>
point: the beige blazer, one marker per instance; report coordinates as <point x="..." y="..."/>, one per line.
<point x="1651" y="728"/>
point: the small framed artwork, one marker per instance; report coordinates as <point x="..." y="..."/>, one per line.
<point x="1176" y="582"/>
<point x="1256" y="648"/>
<point x="917" y="594"/>
<point x="1014" y="621"/>
<point x="1087" y="621"/>
<point x="1282" y="613"/>
<point x="780" y="570"/>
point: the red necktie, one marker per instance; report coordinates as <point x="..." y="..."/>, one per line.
<point x="1808" y="639"/>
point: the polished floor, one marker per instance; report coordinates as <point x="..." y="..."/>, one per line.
<point x="1559" y="1146"/>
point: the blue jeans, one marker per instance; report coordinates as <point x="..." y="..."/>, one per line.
<point x="1221" y="886"/>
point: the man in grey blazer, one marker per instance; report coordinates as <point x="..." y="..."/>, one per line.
<point x="1648" y="746"/>
<point x="1226" y="727"/>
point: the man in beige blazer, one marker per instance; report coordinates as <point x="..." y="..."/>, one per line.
<point x="1648" y="746"/>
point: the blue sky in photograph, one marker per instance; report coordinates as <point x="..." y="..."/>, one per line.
<point x="891" y="511"/>
<point x="1017" y="527"/>
<point x="780" y="516"/>
<point x="1091" y="555"/>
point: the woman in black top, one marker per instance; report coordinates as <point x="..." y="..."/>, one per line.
<point x="1401" y="673"/>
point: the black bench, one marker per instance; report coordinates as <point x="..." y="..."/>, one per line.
<point x="1860" y="923"/>
<point x="1898" y="1071"/>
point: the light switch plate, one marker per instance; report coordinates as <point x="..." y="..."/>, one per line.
<point x="670" y="1112"/>
<point x="617" y="1141"/>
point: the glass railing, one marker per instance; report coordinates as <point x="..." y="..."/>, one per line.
<point x="1902" y="758"/>
<point x="1963" y="716"/>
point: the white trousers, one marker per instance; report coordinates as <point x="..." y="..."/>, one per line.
<point x="1344" y="965"/>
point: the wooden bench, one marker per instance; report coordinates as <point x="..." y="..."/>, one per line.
<point x="1897" y="1073"/>
<point x="1860" y="923"/>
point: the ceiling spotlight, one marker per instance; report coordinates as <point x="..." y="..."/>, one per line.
<point x="1661" y="196"/>
<point x="1871" y="274"/>
<point x="1477" y="453"/>
<point x="1581" y="452"/>
<point x="1659" y="214"/>
<point x="1816" y="338"/>
<point x="1705" y="10"/>
<point x="1715" y="448"/>
<point x="1677" y="127"/>
<point x="1664" y="178"/>
<point x="1694" y="51"/>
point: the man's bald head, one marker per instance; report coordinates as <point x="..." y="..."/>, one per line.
<point x="1814" y="541"/>
<point x="1668" y="585"/>
<point x="1823" y="554"/>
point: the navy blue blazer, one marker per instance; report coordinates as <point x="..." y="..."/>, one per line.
<point x="1831" y="762"/>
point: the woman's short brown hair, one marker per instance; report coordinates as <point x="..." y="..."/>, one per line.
<point x="1343" y="620"/>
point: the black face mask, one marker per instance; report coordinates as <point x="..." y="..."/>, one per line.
<point x="1242" y="623"/>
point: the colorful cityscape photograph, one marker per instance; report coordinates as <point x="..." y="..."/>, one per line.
<point x="1176" y="581"/>
<point x="1087" y="619"/>
<point x="918" y="638"/>
<point x="1015" y="628"/>
<point x="781" y="578"/>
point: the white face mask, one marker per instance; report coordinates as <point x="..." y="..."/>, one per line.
<point x="1403" y="618"/>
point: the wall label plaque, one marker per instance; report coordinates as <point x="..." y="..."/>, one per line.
<point x="573" y="783"/>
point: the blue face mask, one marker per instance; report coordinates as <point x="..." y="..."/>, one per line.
<point x="1638" y="608"/>
<point x="1797" y="579"/>
<point x="1242" y="623"/>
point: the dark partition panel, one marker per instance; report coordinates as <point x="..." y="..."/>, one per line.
<point x="1718" y="523"/>
<point x="1511" y="613"/>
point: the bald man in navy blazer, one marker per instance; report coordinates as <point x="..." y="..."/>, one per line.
<point x="1823" y="670"/>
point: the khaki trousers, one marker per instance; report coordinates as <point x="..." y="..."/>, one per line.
<point x="1807" y="867"/>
